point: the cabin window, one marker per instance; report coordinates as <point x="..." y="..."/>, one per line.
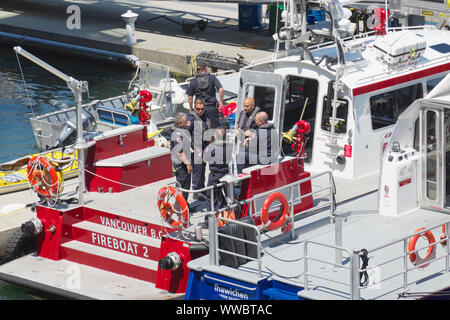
<point x="431" y="159"/>
<point x="264" y="98"/>
<point x="416" y="144"/>
<point x="300" y="102"/>
<point x="433" y="83"/>
<point x="341" y="114"/>
<point x="387" y="107"/>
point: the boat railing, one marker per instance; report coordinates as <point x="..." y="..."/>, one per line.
<point x="217" y="74"/>
<point x="368" y="34"/>
<point x="383" y="75"/>
<point x="407" y="272"/>
<point x="252" y="203"/>
<point x="392" y="266"/>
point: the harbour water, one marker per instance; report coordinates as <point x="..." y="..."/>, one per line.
<point x="43" y="92"/>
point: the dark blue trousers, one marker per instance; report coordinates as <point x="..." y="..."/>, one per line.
<point x="184" y="178"/>
<point x="213" y="179"/>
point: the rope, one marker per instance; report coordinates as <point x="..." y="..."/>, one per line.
<point x="363" y="274"/>
<point x="24" y="83"/>
<point x="281" y="276"/>
<point x="120" y="183"/>
<point x="280" y="259"/>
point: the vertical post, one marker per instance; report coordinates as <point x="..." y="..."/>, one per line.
<point x="332" y="193"/>
<point x="259" y="255"/>
<point x="212" y="199"/>
<point x="355" y="292"/>
<point x="230" y="192"/>
<point x="77" y="89"/>
<point x="305" y="264"/>
<point x="338" y="238"/>
<point x="447" y="246"/>
<point x="447" y="249"/>
<point x="405" y="264"/>
<point x="130" y="17"/>
<point x="291" y="216"/>
<point x="212" y="240"/>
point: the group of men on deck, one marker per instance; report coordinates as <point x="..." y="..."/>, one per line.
<point x="199" y="138"/>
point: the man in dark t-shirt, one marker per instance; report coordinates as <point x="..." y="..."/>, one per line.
<point x="203" y="87"/>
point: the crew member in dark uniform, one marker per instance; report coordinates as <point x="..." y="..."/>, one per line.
<point x="260" y="146"/>
<point x="180" y="152"/>
<point x="197" y="126"/>
<point x="203" y="87"/>
<point x="264" y="145"/>
<point x="246" y="119"/>
<point x="218" y="155"/>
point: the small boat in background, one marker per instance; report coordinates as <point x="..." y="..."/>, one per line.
<point x="14" y="177"/>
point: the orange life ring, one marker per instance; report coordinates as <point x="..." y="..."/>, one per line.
<point x="43" y="177"/>
<point x="168" y="197"/>
<point x="415" y="257"/>
<point x="267" y="223"/>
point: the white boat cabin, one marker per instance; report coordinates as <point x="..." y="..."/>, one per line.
<point x="416" y="169"/>
<point x="377" y="78"/>
<point x="369" y="248"/>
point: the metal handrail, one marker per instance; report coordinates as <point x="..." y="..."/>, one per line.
<point x="382" y="75"/>
<point x="214" y="235"/>
<point x="306" y="258"/>
<point x="406" y="253"/>
<point x="355" y="286"/>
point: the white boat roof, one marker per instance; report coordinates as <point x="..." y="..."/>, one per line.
<point x="364" y="72"/>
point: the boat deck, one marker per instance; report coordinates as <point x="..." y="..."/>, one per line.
<point x="283" y="259"/>
<point x="76" y="281"/>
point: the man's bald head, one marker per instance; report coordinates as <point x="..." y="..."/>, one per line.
<point x="261" y="118"/>
<point x="249" y="104"/>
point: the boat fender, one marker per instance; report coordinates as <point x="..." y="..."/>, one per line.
<point x="43" y="177"/>
<point x="168" y="199"/>
<point x="32" y="227"/>
<point x="414" y="257"/>
<point x="267" y="223"/>
<point x="170" y="262"/>
<point x="197" y="249"/>
<point x="18" y="246"/>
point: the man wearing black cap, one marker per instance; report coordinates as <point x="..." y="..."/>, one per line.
<point x="203" y="87"/>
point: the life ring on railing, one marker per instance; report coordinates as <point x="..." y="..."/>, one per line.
<point x="270" y="224"/>
<point x="168" y="198"/>
<point x="415" y="257"/>
<point x="43" y="177"/>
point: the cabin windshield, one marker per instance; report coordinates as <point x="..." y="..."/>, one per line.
<point x="387" y="106"/>
<point x="433" y="83"/>
<point x="300" y="101"/>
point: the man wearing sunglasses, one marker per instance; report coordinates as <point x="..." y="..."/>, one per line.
<point x="197" y="125"/>
<point x="203" y="87"/>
